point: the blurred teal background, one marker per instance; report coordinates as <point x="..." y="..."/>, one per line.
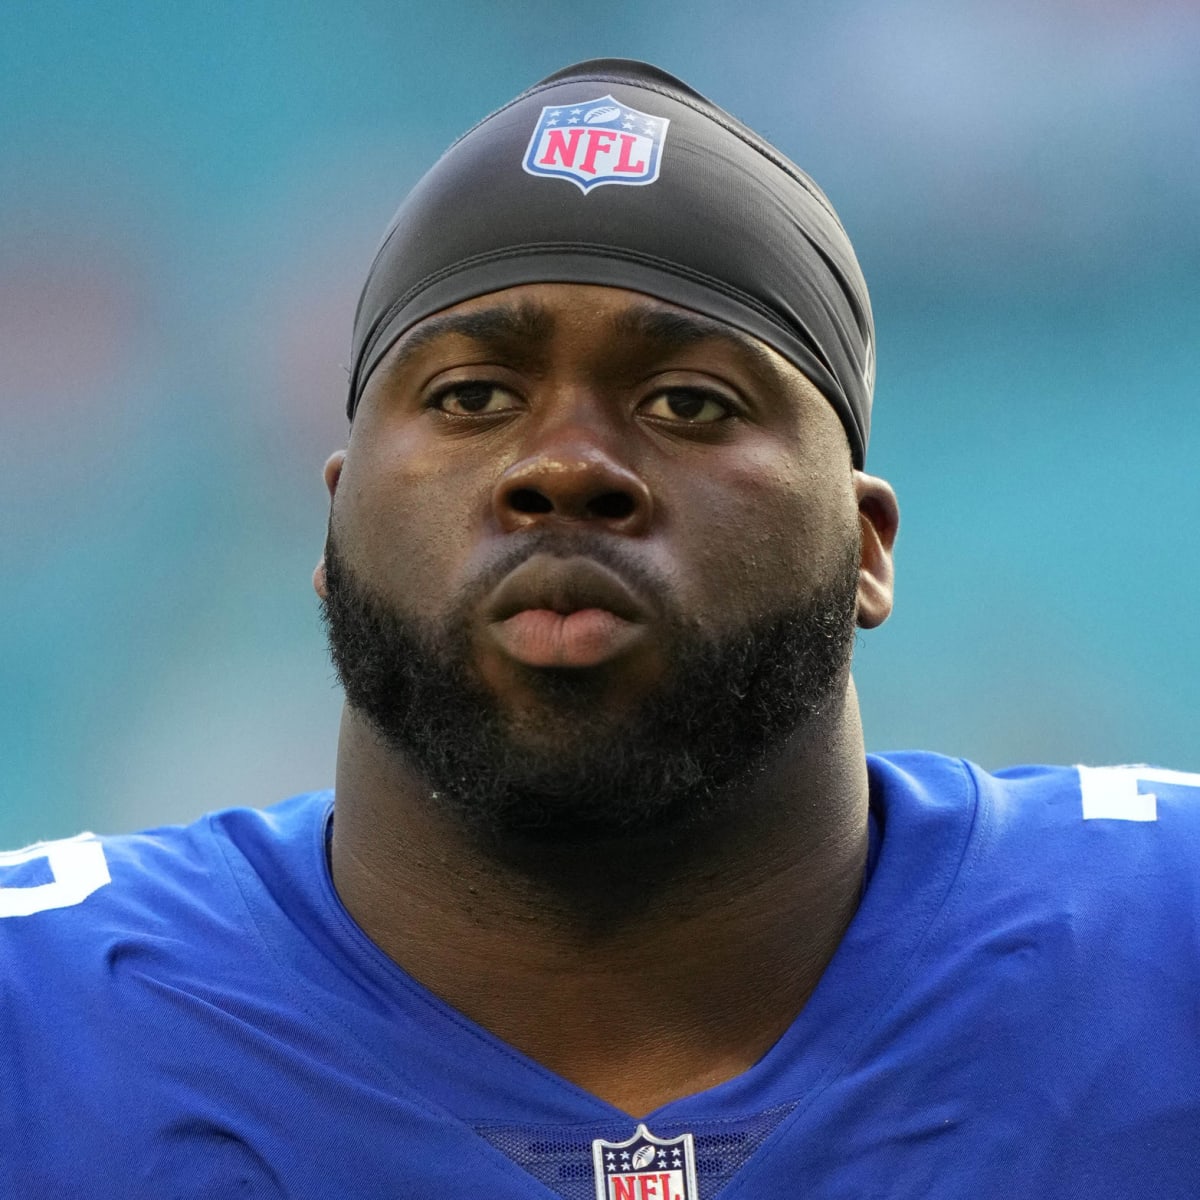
<point x="190" y="196"/>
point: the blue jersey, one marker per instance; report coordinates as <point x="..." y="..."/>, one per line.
<point x="1013" y="1012"/>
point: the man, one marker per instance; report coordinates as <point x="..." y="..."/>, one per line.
<point x="611" y="902"/>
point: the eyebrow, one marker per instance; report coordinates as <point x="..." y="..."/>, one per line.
<point x="669" y="326"/>
<point x="519" y="329"/>
<point x="510" y="327"/>
<point x="674" y="328"/>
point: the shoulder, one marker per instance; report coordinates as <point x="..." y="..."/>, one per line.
<point x="1086" y="875"/>
<point x="1047" y="921"/>
<point x="1106" y="856"/>
<point x="119" y="953"/>
<point x="1117" y="844"/>
<point x="1037" y="797"/>
<point x="1128" y="816"/>
<point x="64" y="904"/>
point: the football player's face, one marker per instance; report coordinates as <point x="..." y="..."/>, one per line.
<point x="578" y="472"/>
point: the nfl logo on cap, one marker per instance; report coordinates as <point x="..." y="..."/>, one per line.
<point x="645" y="1168"/>
<point x="597" y="141"/>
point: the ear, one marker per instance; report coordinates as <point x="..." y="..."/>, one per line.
<point x="878" y="520"/>
<point x="332" y="473"/>
<point x="333" y="470"/>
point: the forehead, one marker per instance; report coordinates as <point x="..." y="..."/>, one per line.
<point x="527" y="319"/>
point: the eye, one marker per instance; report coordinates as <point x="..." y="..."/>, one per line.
<point x="691" y="406"/>
<point x="473" y="398"/>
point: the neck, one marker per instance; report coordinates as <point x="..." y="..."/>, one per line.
<point x="641" y="971"/>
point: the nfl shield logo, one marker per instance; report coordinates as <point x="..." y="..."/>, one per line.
<point x="597" y="141"/>
<point x="645" y="1168"/>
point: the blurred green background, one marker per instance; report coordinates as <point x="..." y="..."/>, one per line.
<point x="190" y="196"/>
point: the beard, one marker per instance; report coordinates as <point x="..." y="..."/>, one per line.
<point x="570" y="774"/>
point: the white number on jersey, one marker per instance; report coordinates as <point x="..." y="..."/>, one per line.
<point x="77" y="864"/>
<point x="1111" y="793"/>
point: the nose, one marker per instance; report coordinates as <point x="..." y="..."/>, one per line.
<point x="571" y="475"/>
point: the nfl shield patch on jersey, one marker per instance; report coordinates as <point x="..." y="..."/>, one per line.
<point x="645" y="1168"/>
<point x="597" y="141"/>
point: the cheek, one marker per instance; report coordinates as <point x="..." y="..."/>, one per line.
<point x="766" y="531"/>
<point x="404" y="514"/>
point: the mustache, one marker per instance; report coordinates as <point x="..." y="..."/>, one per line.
<point x="558" y="543"/>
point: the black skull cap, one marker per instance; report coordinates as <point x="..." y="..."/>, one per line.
<point x="614" y="172"/>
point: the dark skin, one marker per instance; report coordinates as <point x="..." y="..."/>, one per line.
<point x="724" y="469"/>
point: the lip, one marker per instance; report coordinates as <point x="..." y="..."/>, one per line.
<point x="564" y="586"/>
<point x="565" y="612"/>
